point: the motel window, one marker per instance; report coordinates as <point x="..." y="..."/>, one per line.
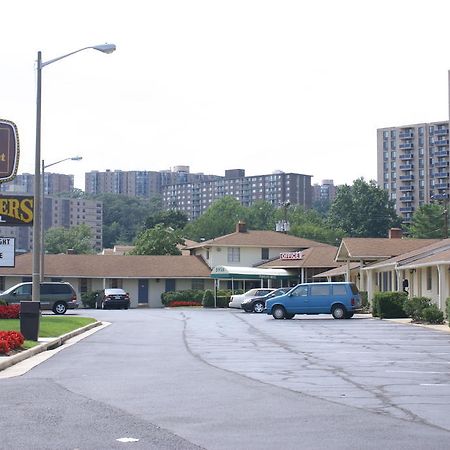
<point x="2" y="283"/>
<point x="264" y="253"/>
<point x="198" y="285"/>
<point x="115" y="283"/>
<point x="429" y="281"/>
<point x="234" y="254"/>
<point x="83" y="285"/>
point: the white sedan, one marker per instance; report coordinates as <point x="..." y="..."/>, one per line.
<point x="236" y="300"/>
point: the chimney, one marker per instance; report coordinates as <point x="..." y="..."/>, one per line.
<point x="241" y="227"/>
<point x="395" y="233"/>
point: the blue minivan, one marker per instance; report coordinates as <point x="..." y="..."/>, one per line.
<point x="341" y="300"/>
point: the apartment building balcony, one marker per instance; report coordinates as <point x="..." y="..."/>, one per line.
<point x="440" y="164"/>
<point x="441" y="132"/>
<point x="441" y="142"/>
<point x="407" y="188"/>
<point x="407" y="145"/>
<point x="407" y="209"/>
<point x="406" y="166"/>
<point x="440" y="175"/>
<point x="406" y="156"/>
<point x="406" y="135"/>
<point x="406" y="177"/>
<point x="440" y="186"/>
<point x="406" y="198"/>
<point x="439" y="197"/>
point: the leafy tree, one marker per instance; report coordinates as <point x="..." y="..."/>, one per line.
<point x="159" y="240"/>
<point x="173" y="219"/>
<point x="124" y="217"/>
<point x="428" y="222"/>
<point x="363" y="210"/>
<point x="322" y="207"/>
<point x="219" y="219"/>
<point x="59" y="240"/>
<point x="261" y="216"/>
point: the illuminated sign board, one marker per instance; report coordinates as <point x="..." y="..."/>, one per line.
<point x="16" y="210"/>
<point x="9" y="150"/>
<point x="7" y="251"/>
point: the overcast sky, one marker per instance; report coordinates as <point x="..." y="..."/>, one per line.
<point x="260" y="85"/>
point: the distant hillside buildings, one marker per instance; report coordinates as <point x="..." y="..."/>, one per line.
<point x="193" y="193"/>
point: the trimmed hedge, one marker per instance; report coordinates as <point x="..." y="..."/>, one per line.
<point x="89" y="299"/>
<point x="447" y="310"/>
<point x="208" y="299"/>
<point x="415" y="306"/>
<point x="182" y="296"/>
<point x="389" y="305"/>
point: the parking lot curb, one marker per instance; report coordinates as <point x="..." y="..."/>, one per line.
<point x="444" y="327"/>
<point x="50" y="345"/>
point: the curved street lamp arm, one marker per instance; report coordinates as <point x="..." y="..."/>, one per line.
<point x="104" y="48"/>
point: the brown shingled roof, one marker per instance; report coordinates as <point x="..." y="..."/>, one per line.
<point x="312" y="257"/>
<point x="258" y="238"/>
<point x="117" y="266"/>
<point x="378" y="248"/>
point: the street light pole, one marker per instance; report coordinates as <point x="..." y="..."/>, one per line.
<point x="42" y="230"/>
<point x="36" y="269"/>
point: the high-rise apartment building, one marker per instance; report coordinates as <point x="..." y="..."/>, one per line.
<point x="413" y="164"/>
<point x="324" y="192"/>
<point x="62" y="212"/>
<point x="194" y="198"/>
<point x="139" y="183"/>
<point x="53" y="183"/>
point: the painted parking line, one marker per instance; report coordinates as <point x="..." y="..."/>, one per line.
<point x="403" y="362"/>
<point x="414" y="371"/>
<point x="437" y="384"/>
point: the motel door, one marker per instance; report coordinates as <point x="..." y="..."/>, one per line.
<point x="143" y="291"/>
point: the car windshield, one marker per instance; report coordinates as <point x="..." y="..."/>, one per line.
<point x="8" y="291"/>
<point x="251" y="292"/>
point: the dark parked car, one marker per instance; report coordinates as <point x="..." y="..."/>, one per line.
<point x="57" y="296"/>
<point x="113" y="298"/>
<point x="257" y="304"/>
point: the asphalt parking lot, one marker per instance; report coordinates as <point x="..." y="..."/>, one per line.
<point x="386" y="367"/>
<point x="221" y="379"/>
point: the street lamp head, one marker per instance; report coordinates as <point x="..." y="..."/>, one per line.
<point x="76" y="158"/>
<point x="105" y="48"/>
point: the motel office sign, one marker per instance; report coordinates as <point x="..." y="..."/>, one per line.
<point x="9" y="150"/>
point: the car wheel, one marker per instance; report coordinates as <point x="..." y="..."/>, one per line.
<point x="339" y="312"/>
<point x="278" y="312"/>
<point x="59" y="308"/>
<point x="258" y="307"/>
<point x="349" y="315"/>
<point x="290" y="316"/>
<point x="103" y="305"/>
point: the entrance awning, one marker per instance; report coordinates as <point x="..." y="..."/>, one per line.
<point x="249" y="273"/>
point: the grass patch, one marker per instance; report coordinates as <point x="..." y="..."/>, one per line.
<point x="50" y="326"/>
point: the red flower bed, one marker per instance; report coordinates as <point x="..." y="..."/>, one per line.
<point x="181" y="303"/>
<point x="9" y="311"/>
<point x="10" y="340"/>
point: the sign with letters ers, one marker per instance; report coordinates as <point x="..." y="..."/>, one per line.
<point x="16" y="210"/>
<point x="9" y="150"/>
<point x="7" y="251"/>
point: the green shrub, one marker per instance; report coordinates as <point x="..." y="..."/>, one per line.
<point x="432" y="314"/>
<point x="222" y="302"/>
<point x="89" y="299"/>
<point x="2" y="302"/>
<point x="415" y="306"/>
<point x="447" y="310"/>
<point x="182" y="296"/>
<point x="388" y="305"/>
<point x="208" y="299"/>
<point x="364" y="300"/>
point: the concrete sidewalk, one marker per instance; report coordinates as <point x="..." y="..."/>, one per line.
<point x="444" y="327"/>
<point x="44" y="345"/>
